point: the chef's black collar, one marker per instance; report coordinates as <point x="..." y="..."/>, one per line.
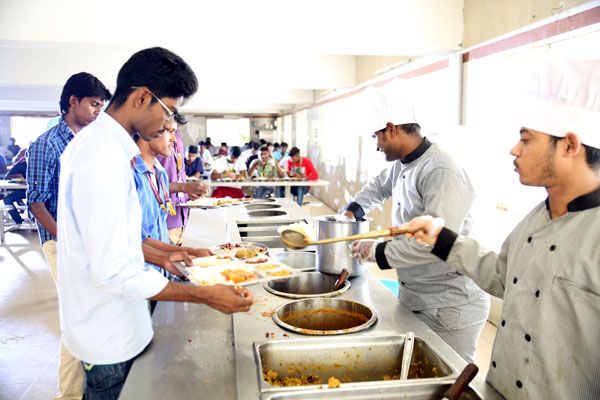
<point x="581" y="203"/>
<point x="418" y="152"/>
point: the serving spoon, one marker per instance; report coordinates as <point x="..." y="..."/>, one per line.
<point x="297" y="240"/>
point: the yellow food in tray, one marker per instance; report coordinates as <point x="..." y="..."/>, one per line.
<point x="281" y="272"/>
<point x="267" y="267"/>
<point x="211" y="261"/>
<point x="238" y="275"/>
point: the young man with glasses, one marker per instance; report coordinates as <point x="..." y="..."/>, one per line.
<point x="104" y="283"/>
<point x="81" y="101"/>
<point x="421" y="177"/>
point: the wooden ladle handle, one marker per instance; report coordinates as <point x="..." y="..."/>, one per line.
<point x="461" y="383"/>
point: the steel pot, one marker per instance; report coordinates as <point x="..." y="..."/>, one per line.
<point x="307" y="285"/>
<point x="324" y="316"/>
<point x="332" y="258"/>
<point x="300" y="260"/>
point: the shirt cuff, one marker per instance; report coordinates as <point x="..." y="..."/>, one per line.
<point x="444" y="243"/>
<point x="155" y="282"/>
<point x="382" y="262"/>
<point x="35" y="196"/>
<point x="355" y="209"/>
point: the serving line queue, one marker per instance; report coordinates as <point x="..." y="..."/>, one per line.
<point x="97" y="286"/>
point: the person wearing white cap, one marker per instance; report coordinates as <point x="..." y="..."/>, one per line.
<point x="421" y="179"/>
<point x="548" y="270"/>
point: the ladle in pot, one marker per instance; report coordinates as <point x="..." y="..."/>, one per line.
<point x="409" y="342"/>
<point x="461" y="383"/>
<point x="297" y="240"/>
<point x="341" y="279"/>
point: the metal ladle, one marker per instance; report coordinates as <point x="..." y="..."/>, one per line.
<point x="297" y="240"/>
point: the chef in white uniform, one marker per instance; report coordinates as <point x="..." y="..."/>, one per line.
<point x="548" y="270"/>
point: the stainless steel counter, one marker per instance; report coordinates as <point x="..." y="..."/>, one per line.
<point x="199" y="353"/>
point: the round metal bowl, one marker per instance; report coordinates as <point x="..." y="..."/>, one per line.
<point x="262" y="206"/>
<point x="266" y="213"/>
<point x="324" y="316"/>
<point x="300" y="260"/>
<point x="265" y="200"/>
<point x="307" y="285"/>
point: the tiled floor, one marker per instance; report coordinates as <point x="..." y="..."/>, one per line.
<point x="29" y="327"/>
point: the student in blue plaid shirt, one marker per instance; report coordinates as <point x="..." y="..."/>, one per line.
<point x="81" y="101"/>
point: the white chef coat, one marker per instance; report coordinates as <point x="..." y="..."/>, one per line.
<point x="103" y="283"/>
<point x="548" y="272"/>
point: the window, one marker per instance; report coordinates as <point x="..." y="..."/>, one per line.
<point x="26" y="129"/>
<point x="235" y="132"/>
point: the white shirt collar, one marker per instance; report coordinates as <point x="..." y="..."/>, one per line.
<point x="114" y="128"/>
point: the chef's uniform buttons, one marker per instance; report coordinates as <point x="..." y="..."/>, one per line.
<point x="403" y="176"/>
<point x="494" y="364"/>
<point x="515" y="280"/>
<point x="527" y="337"/>
<point x="552" y="247"/>
<point x="519" y="384"/>
<point x="537" y="293"/>
<point x="529" y="239"/>
<point x="503" y="322"/>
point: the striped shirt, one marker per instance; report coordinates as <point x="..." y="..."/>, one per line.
<point x="43" y="170"/>
<point x="154" y="219"/>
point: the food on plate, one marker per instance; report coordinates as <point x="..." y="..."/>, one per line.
<point x="257" y="260"/>
<point x="224" y="257"/>
<point x="247" y="253"/>
<point x="204" y="277"/>
<point x="210" y="261"/>
<point x="226" y="202"/>
<point x="229" y="246"/>
<point x="267" y="267"/>
<point x="238" y="275"/>
<point x="281" y="272"/>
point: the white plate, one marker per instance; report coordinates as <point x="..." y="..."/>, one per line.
<point x="220" y="249"/>
<point x="206" y="273"/>
<point x="214" y="202"/>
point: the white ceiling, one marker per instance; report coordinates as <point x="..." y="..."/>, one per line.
<point x="251" y="57"/>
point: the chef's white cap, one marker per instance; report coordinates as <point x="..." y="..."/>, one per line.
<point x="388" y="104"/>
<point x="563" y="97"/>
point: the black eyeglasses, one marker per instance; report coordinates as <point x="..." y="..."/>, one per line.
<point x="170" y="114"/>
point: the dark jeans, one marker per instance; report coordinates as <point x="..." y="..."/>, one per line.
<point x="11" y="199"/>
<point x="105" y="382"/>
<point x="298" y="191"/>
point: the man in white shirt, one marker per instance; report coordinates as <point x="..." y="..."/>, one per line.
<point x="103" y="283"/>
<point x="207" y="158"/>
<point x="230" y="168"/>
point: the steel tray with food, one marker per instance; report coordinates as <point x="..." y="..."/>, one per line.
<point x="213" y="202"/>
<point x="230" y="270"/>
<point x="240" y="250"/>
